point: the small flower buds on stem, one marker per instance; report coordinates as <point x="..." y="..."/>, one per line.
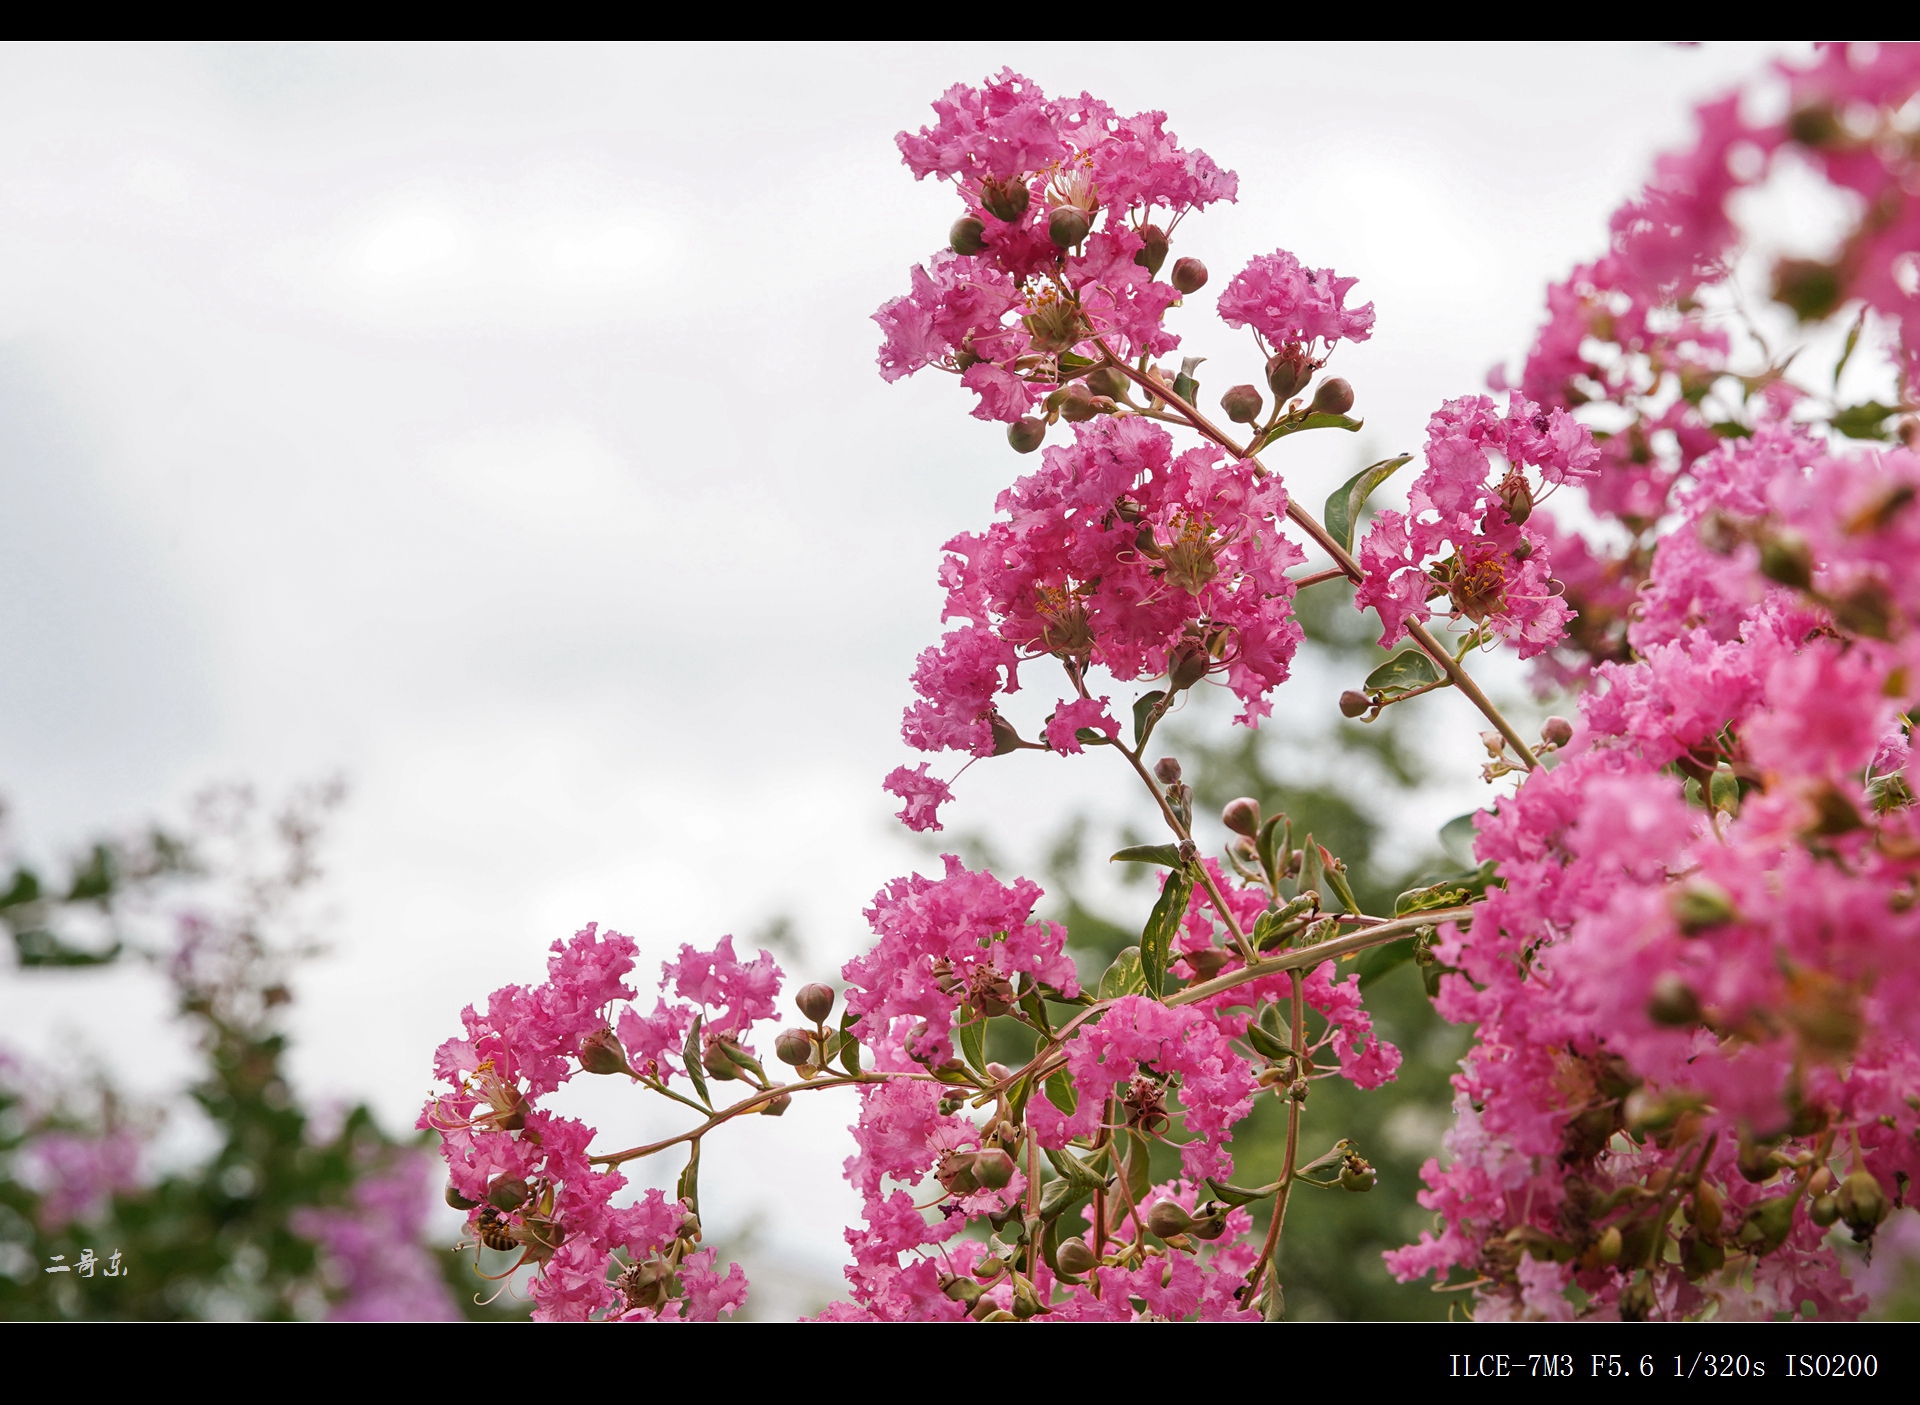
<point x="1288" y="373"/>
<point x="1067" y="226"/>
<point x="1334" y="397"/>
<point x="1556" y="731"/>
<point x="1354" y="703"/>
<point x="794" y="1046"/>
<point x="1153" y="250"/>
<point x="1026" y="434"/>
<point x="1108" y="381"/>
<point x="1189" y="276"/>
<point x="964" y="237"/>
<point x="508" y="1193"/>
<point x="1076" y="1258"/>
<point x="600" y="1052"/>
<point x="1167" y="770"/>
<point x="1242" y="404"/>
<point x="815" y="1001"/>
<point x="1242" y="816"/>
<point x="1005" y="199"/>
<point x="1167" y="1219"/>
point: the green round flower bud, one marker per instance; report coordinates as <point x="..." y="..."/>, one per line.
<point x="1517" y="496"/>
<point x="1556" y="731"/>
<point x="1709" y="1210"/>
<point x="793" y="1046"/>
<point x="1153" y="250"/>
<point x="1076" y="1258"/>
<point x="1288" y="372"/>
<point x="993" y="1168"/>
<point x="1522" y="549"/>
<point x="815" y="1001"/>
<point x="1673" y="1003"/>
<point x="1167" y="1219"/>
<point x="1354" y="703"/>
<point x="1076" y="405"/>
<point x="508" y="1193"/>
<point x="459" y="1201"/>
<point x="1823" y="1210"/>
<point x="1242" y="404"/>
<point x="1607" y="1248"/>
<point x="1242" y="816"/>
<point x="1207" y="962"/>
<point x="1025" y="435"/>
<point x="1067" y="226"/>
<point x="1189" y="275"/>
<point x="715" y="1061"/>
<point x="964" y="237"/>
<point x="1005" y="199"/>
<point x="1109" y="381"/>
<point x="1334" y="397"/>
<point x="1861" y="1202"/>
<point x="600" y="1052"/>
<point x="1188" y="664"/>
<point x="1357" y="1175"/>
<point x="955" y="1172"/>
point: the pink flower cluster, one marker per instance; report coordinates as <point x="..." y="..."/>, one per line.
<point x="1707" y="934"/>
<point x="1475" y="496"/>
<point x="374" y="1249"/>
<point x="81" y="1172"/>
<point x="1060" y="245"/>
<point x="1289" y="306"/>
<point x="493" y="1132"/>
<point x="1117" y="553"/>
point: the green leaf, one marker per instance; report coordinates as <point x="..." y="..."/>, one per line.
<point x="1060" y="1197"/>
<point x="1142" y="712"/>
<point x="1343" y="508"/>
<point x="93" y="879"/>
<point x="689" y="1186"/>
<point x="1060" y="1092"/>
<point x="1382" y="959"/>
<point x="691" y="1053"/>
<point x="1125" y="976"/>
<point x="25" y="889"/>
<point x="1156" y="940"/>
<point x="849" y="1045"/>
<point x="1410" y="668"/>
<point x="973" y="1045"/>
<point x="1070" y="362"/>
<point x="1456" y="837"/>
<point x="1265" y="1045"/>
<point x="1139" y="1168"/>
<point x="1275" y="844"/>
<point x="1853" y="340"/>
<point x="1731" y="429"/>
<point x="1425" y="899"/>
<point x="1312" y="871"/>
<point x="1087" y="736"/>
<point x="1337" y="880"/>
<point x="1186" y="387"/>
<point x="1313" y="421"/>
<point x="1166" y="854"/>
<point x="1866" y="421"/>
<point x="1070" y="1168"/>
<point x="1237" y="1194"/>
<point x="38" y="947"/>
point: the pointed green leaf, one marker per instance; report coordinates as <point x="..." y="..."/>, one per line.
<point x="1087" y="736"/>
<point x="973" y="1044"/>
<point x="1410" y="668"/>
<point x="1238" y="1195"/>
<point x="25" y="889"/>
<point x="691" y="1053"/>
<point x="1266" y="1045"/>
<point x="849" y="1045"/>
<point x="1186" y="387"/>
<point x="1456" y="837"/>
<point x="1853" y="340"/>
<point x="1142" y="711"/>
<point x="1866" y="421"/>
<point x="1312" y="871"/>
<point x="1070" y="1167"/>
<point x="1156" y="940"/>
<point x="1316" y="420"/>
<point x="1343" y="508"/>
<point x="1166" y="854"/>
<point x="1424" y="899"/>
<point x="1060" y="1092"/>
<point x="1125" y="976"/>
<point x="1139" y="1168"/>
<point x="1275" y="845"/>
<point x="689" y="1186"/>
<point x="1337" y="880"/>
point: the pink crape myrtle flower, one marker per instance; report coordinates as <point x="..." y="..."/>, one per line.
<point x="1287" y="304"/>
<point x="924" y="795"/>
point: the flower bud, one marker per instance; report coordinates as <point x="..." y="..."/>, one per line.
<point x="1334" y="397"/>
<point x="1242" y="404"/>
<point x="1109" y="381"/>
<point x="1153" y="250"/>
<point x="1025" y="434"/>
<point x="1768" y="1224"/>
<point x="1167" y="1219"/>
<point x="1556" y="731"/>
<point x="1699" y="905"/>
<point x="1026" y="1302"/>
<point x="457" y="1200"/>
<point x="1674" y="1002"/>
<point x="1167" y="770"/>
<point x="508" y="1193"/>
<point x="1824" y="1210"/>
<point x="1356" y="1174"/>
<point x="777" y="1107"/>
<point x="1187" y="664"/>
<point x="1005" y="199"/>
<point x="1607" y="1248"/>
<point x="1354" y="703"/>
<point x="1076" y="406"/>
<point x="993" y="1168"/>
<point x="1637" y="1302"/>
<point x="1517" y="497"/>
<point x="1786" y="558"/>
<point x="1709" y="1210"/>
<point x="793" y="1046"/>
<point x="956" y="1174"/>
<point x="1242" y="816"/>
<point x="1288" y="372"/>
<point x="600" y="1052"/>
<point x="961" y="1290"/>
<point x="715" y="1061"/>
<point x="1076" y="1258"/>
<point x="1067" y="226"/>
<point x="1522" y="549"/>
<point x="1861" y="1202"/>
<point x="1207" y="962"/>
<point x="815" y="1001"/>
<point x="964" y="237"/>
<point x="1189" y="275"/>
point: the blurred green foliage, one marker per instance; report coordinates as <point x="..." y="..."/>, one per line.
<point x="214" y="1239"/>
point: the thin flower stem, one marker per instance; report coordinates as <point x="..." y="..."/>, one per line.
<point x="1206" y="878"/>
<point x="746" y="1105"/>
<point x="1303" y="1065"/>
<point x="1335" y="573"/>
<point x="1341" y="556"/>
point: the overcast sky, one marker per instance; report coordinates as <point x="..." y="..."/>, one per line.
<point x="499" y="426"/>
